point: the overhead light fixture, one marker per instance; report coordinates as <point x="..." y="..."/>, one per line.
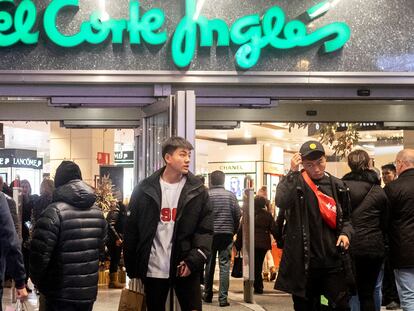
<point x="217" y="125"/>
<point x="107" y="124"/>
<point x="96" y="102"/>
<point x="235" y="101"/>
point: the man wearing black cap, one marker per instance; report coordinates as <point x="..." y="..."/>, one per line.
<point x="66" y="243"/>
<point x="317" y="232"/>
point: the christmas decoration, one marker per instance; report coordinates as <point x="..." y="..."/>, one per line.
<point x="104" y="195"/>
<point x="341" y="142"/>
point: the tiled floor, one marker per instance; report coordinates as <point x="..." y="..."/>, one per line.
<point x="108" y="299"/>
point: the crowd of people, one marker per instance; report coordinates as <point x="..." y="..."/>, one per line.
<point x="341" y="237"/>
<point x="349" y="240"/>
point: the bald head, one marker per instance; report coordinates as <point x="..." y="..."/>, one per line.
<point x="405" y="160"/>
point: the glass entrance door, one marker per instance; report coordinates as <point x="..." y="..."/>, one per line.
<point x="173" y="115"/>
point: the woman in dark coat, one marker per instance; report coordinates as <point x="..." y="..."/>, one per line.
<point x="369" y="213"/>
<point x="116" y="219"/>
<point x="27" y="209"/>
<point x="264" y="225"/>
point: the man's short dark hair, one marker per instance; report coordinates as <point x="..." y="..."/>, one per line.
<point x="217" y="178"/>
<point x="173" y="143"/>
<point x="390" y="167"/>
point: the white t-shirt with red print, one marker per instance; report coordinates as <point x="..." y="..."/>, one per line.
<point x="159" y="261"/>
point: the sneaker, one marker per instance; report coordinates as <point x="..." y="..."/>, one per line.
<point x="393" y="306"/>
<point x="224" y="304"/>
<point x="258" y="291"/>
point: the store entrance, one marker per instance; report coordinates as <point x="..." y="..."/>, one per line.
<point x="259" y="141"/>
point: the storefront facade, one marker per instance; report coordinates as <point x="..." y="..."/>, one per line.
<point x="221" y="55"/>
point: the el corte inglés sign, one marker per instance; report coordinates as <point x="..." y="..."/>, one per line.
<point x="251" y="33"/>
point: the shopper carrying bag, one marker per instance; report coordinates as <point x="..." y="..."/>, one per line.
<point x="133" y="298"/>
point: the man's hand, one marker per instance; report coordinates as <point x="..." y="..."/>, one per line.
<point x="118" y="243"/>
<point x="183" y="270"/>
<point x="22" y="294"/>
<point x="295" y="162"/>
<point x="344" y="240"/>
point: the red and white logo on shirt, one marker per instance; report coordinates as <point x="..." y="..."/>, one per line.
<point x="168" y="214"/>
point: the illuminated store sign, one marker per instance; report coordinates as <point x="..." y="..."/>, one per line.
<point x="252" y="33"/>
<point x="233" y="167"/>
<point x="34" y="163"/>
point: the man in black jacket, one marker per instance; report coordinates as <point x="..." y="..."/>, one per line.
<point x="169" y="230"/>
<point x="66" y="243"/>
<point x="400" y="193"/>
<point x="10" y="252"/>
<point x="317" y="224"/>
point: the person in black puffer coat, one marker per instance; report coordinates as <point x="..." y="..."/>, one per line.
<point x="369" y="214"/>
<point x="66" y="243"/>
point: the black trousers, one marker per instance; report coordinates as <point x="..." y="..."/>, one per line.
<point x="26" y="260"/>
<point x="259" y="255"/>
<point x="186" y="289"/>
<point x="65" y="306"/>
<point x="327" y="282"/>
<point x="367" y="271"/>
<point x="389" y="287"/>
<point x="115" y="254"/>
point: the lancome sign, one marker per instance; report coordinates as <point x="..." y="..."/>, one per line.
<point x="251" y="33"/>
<point x="34" y="163"/>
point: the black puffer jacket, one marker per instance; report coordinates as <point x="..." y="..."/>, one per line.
<point x="369" y="206"/>
<point x="66" y="243"/>
<point x="400" y="193"/>
<point x="193" y="232"/>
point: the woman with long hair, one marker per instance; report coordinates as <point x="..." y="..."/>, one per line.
<point x="369" y="213"/>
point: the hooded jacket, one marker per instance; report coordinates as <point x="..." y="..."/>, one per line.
<point x="193" y="231"/>
<point x="295" y="262"/>
<point x="369" y="206"/>
<point x="66" y="243"/>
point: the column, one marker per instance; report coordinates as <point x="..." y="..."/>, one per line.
<point x="80" y="146"/>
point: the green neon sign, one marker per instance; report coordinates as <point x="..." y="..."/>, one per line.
<point x="252" y="33"/>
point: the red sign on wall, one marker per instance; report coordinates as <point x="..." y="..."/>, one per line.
<point x="103" y="158"/>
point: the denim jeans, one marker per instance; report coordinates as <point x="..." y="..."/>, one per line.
<point x="224" y="255"/>
<point x="354" y="303"/>
<point x="405" y="286"/>
<point x="378" y="289"/>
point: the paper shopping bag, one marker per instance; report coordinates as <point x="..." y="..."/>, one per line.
<point x="131" y="301"/>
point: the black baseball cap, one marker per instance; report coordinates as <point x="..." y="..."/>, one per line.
<point x="312" y="150"/>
